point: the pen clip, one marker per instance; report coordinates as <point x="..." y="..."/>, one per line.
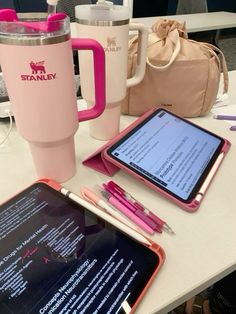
<point x="113" y="188"/>
<point x="121" y="197"/>
<point x="110" y="189"/>
<point x="116" y="187"/>
<point x="126" y="195"/>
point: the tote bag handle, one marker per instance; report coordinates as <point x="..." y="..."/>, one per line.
<point x="222" y="63"/>
<point x="174" y="37"/>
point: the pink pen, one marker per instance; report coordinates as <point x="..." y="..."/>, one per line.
<point x="133" y="206"/>
<point x="117" y="194"/>
<point x="118" y="189"/>
<point x="128" y="213"/>
<point x="140" y="209"/>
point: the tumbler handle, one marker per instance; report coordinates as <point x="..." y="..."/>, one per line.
<point x="142" y="53"/>
<point x="99" y="77"/>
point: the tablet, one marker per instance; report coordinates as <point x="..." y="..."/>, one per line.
<point x="169" y="154"/>
<point x="58" y="257"/>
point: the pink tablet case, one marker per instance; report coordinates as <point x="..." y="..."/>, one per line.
<point x="103" y="163"/>
<point x="153" y="245"/>
<point x="97" y="162"/>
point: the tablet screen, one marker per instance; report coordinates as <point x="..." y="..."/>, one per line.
<point x="57" y="257"/>
<point x="170" y="152"/>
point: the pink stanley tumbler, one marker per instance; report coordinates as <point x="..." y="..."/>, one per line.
<point x="37" y="65"/>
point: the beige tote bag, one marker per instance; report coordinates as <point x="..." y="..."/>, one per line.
<point x="181" y="75"/>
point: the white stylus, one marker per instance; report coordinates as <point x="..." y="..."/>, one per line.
<point x="131" y="232"/>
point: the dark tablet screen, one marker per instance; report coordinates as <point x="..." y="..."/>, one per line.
<point x="170" y="152"/>
<point x="57" y="257"/>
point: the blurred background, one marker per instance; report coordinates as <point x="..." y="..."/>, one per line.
<point x="226" y="40"/>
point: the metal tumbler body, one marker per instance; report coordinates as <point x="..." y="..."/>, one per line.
<point x="38" y="70"/>
<point x="114" y="40"/>
<point x="109" y="25"/>
<point x="40" y="83"/>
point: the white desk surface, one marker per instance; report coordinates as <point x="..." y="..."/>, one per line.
<point x="203" y="249"/>
<point x="196" y="22"/>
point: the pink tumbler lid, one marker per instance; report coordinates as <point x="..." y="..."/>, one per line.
<point x="54" y="160"/>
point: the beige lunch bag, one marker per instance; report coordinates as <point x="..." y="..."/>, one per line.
<point x="181" y="75"/>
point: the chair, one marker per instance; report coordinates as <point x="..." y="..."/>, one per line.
<point x="149" y="8"/>
<point x="191" y="6"/>
<point x="68" y="6"/>
<point x="198" y="6"/>
<point x="30" y="6"/>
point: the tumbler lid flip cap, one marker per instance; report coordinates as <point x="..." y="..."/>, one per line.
<point x="102" y="11"/>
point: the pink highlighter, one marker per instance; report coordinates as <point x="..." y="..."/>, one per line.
<point x="37" y="66"/>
